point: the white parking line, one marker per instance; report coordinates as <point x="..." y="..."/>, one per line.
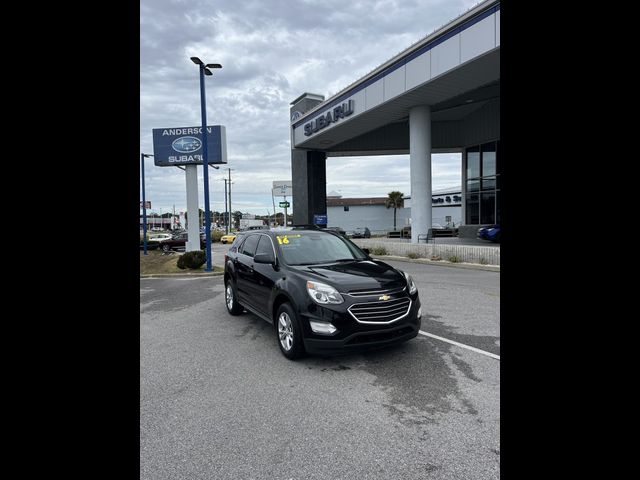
<point x="492" y="355"/>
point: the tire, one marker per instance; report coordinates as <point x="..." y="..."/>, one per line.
<point x="289" y="332"/>
<point x="166" y="248"/>
<point x="233" y="307"/>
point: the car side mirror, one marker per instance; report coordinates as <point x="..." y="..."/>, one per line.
<point x="367" y="251"/>
<point x="264" y="258"/>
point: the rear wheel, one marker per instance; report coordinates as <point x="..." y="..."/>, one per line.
<point x="166" y="248"/>
<point x="289" y="332"/>
<point x="233" y="307"/>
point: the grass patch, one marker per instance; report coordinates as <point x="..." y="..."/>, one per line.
<point x="157" y="263"/>
<point x="413" y="255"/>
<point x="379" y="251"/>
<point x="454" y="259"/>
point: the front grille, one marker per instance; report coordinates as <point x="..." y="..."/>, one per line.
<point x="381" y="312"/>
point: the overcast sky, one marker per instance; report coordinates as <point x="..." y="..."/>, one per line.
<point x="271" y="52"/>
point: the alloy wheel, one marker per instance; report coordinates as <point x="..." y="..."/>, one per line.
<point x="285" y="331"/>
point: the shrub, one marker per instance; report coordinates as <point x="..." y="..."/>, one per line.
<point x="379" y="251"/>
<point x="216" y="236"/>
<point x="454" y="259"/>
<point x="483" y="261"/>
<point x="413" y="255"/>
<point x="192" y="260"/>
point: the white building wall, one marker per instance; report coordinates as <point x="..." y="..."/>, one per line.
<point x="378" y="218"/>
<point x="374" y="217"/>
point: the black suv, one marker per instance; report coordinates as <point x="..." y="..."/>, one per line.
<point x="321" y="292"/>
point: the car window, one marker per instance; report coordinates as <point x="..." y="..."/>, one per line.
<point x="265" y="245"/>
<point x="308" y="248"/>
<point x="249" y="245"/>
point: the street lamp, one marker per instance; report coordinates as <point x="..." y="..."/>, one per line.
<point x="144" y="202"/>
<point x="204" y="70"/>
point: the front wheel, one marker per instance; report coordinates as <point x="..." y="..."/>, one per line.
<point x="166" y="248"/>
<point x="233" y="307"/>
<point x="289" y="332"/>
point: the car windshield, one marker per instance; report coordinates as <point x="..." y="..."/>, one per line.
<point x="313" y="248"/>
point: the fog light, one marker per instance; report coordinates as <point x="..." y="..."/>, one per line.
<point x="322" y="327"/>
<point x="420" y="312"/>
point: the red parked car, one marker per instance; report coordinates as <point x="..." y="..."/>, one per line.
<point x="178" y="242"/>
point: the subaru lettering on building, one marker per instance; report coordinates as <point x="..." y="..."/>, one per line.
<point x="338" y="112"/>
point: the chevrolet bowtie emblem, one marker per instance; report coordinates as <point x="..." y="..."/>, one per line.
<point x="384" y="297"/>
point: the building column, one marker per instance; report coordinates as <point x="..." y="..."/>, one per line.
<point x="420" y="167"/>
<point x="309" y="182"/>
<point x="463" y="188"/>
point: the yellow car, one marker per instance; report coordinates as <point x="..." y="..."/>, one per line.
<point x="228" y="238"/>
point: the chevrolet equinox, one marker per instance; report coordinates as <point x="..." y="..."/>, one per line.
<point x="322" y="293"/>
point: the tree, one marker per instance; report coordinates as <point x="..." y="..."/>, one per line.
<point x="236" y="216"/>
<point x="396" y="201"/>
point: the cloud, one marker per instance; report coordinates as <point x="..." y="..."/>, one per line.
<point x="271" y="52"/>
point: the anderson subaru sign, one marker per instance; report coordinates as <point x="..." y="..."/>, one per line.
<point x="183" y="146"/>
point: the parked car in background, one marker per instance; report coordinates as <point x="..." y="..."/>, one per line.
<point x="228" y="238"/>
<point x="361" y="232"/>
<point x="337" y="230"/>
<point x="159" y="236"/>
<point x="491" y="233"/>
<point x="178" y="242"/>
<point x="320" y="291"/>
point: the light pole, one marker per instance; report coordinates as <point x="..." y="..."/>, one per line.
<point x="226" y="223"/>
<point x="144" y="202"/>
<point x="204" y="70"/>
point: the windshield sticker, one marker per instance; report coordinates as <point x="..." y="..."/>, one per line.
<point x="284" y="239"/>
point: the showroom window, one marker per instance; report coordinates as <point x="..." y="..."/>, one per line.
<point x="482" y="184"/>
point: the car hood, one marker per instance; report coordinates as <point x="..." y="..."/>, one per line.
<point x="356" y="275"/>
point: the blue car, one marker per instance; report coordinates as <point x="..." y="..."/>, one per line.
<point x="491" y="233"/>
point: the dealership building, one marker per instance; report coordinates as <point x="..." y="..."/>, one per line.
<point x="372" y="212"/>
<point x="440" y="95"/>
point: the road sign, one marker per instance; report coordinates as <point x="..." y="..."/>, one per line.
<point x="320" y="220"/>
<point x="284" y="204"/>
<point x="282" y="188"/>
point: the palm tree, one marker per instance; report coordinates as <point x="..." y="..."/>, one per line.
<point x="396" y="201"/>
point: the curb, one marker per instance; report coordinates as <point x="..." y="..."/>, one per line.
<point x="440" y="263"/>
<point x="181" y="275"/>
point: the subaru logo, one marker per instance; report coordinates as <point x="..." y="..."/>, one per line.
<point x="186" y="144"/>
<point x="384" y="297"/>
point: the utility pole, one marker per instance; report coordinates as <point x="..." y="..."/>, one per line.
<point x="274" y="208"/>
<point x="229" y="169"/>
<point x="226" y="224"/>
<point x="285" y="210"/>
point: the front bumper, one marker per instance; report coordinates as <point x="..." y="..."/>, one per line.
<point x="353" y="336"/>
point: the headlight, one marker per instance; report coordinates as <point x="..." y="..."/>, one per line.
<point x="412" y="286"/>
<point x="323" y="294"/>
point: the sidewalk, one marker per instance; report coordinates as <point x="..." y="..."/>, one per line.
<point x="440" y="263"/>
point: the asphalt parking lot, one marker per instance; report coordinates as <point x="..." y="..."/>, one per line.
<point x="218" y="400"/>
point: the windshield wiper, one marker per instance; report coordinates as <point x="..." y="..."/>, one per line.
<point x="345" y="260"/>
